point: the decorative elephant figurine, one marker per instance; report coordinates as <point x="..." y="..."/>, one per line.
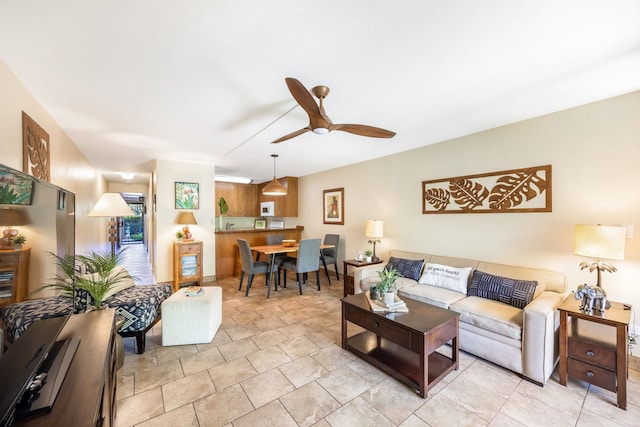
<point x="592" y="298"/>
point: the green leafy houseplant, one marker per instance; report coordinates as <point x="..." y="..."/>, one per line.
<point x="387" y="280"/>
<point x="224" y="207"/>
<point x="19" y="240"/>
<point x="179" y="234"/>
<point x="102" y="275"/>
<point x="368" y="252"/>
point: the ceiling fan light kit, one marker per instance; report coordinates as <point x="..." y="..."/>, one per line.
<point x="274" y="188"/>
<point x="319" y="122"/>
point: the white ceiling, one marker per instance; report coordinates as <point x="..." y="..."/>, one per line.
<point x="203" y="80"/>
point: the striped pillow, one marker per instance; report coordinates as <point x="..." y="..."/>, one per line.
<point x="517" y="293"/>
<point x="409" y="268"/>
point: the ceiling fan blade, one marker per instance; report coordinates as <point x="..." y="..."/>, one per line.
<point x="305" y="99"/>
<point x="291" y="135"/>
<point x="364" y="130"/>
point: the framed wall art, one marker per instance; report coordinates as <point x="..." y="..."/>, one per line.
<point x="510" y="191"/>
<point x="187" y="195"/>
<point x="333" y="206"/>
<point x="260" y="224"/>
<point x="35" y="149"/>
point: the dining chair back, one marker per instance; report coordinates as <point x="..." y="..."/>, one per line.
<point x="308" y="261"/>
<point x="330" y="255"/>
<point x="276" y="239"/>
<point x="251" y="267"/>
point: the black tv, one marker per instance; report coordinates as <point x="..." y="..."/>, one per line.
<point x="50" y="228"/>
<point x="33" y="370"/>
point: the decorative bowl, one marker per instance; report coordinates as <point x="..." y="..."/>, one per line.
<point x="288" y="243"/>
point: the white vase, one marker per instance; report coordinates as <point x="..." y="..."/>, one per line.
<point x="388" y="298"/>
<point x="368" y="259"/>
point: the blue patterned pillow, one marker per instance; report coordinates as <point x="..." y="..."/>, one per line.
<point x="517" y="293"/>
<point x="408" y="268"/>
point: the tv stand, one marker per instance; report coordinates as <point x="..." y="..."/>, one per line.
<point x="87" y="394"/>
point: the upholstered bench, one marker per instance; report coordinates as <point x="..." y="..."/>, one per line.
<point x="139" y="306"/>
<point x="191" y="319"/>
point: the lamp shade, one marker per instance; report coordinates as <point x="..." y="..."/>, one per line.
<point x="599" y="241"/>
<point x="186" y="218"/>
<point x="374" y="228"/>
<point x="274" y="188"/>
<point x="111" y="205"/>
<point x="13" y="217"/>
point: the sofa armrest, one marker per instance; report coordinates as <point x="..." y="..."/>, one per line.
<point x="365" y="272"/>
<point x="540" y="336"/>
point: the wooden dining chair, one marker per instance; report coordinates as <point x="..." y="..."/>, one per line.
<point x="251" y="267"/>
<point x="308" y="261"/>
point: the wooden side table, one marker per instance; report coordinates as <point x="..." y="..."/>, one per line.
<point x="187" y="263"/>
<point x="348" y="280"/>
<point x="593" y="347"/>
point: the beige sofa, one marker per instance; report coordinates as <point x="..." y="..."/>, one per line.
<point x="522" y="340"/>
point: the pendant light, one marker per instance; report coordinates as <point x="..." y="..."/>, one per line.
<point x="274" y="188"/>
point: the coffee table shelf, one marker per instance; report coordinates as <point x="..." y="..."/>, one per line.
<point x="403" y="344"/>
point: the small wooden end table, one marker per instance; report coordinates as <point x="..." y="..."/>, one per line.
<point x="593" y="347"/>
<point x="348" y="280"/>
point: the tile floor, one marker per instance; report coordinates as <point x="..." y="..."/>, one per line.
<point x="278" y="362"/>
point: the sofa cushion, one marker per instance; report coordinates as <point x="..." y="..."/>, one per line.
<point x="401" y="282"/>
<point x="517" y="293"/>
<point x="444" y="276"/>
<point x="494" y="316"/>
<point x="433" y="295"/>
<point x="408" y="268"/>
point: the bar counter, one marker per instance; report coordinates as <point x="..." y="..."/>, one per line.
<point x="228" y="262"/>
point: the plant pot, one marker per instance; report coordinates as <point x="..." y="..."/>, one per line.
<point x="368" y="259"/>
<point x="388" y="298"/>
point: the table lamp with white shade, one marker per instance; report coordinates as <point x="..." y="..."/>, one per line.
<point x="599" y="242"/>
<point x="374" y="231"/>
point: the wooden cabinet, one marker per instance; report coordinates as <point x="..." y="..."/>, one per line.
<point x="14" y="275"/>
<point x="244" y="199"/>
<point x="241" y="198"/>
<point x="285" y="206"/>
<point x="593" y="347"/>
<point x="187" y="263"/>
<point x="88" y="393"/>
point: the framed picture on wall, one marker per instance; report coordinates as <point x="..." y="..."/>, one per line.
<point x="333" y="206"/>
<point x="260" y="224"/>
<point x="187" y="195"/>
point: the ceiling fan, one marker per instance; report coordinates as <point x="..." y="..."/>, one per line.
<point x="319" y="122"/>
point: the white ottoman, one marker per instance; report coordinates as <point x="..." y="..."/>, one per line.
<point x="191" y="319"/>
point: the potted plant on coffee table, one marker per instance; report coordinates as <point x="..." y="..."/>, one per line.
<point x="387" y="284"/>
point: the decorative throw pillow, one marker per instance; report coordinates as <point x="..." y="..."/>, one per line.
<point x="409" y="268"/>
<point x="443" y="276"/>
<point x="517" y="293"/>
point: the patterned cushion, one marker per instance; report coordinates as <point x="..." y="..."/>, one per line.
<point x="409" y="268"/>
<point x="517" y="293"/>
<point x="139" y="305"/>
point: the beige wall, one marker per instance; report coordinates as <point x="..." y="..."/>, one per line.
<point x="594" y="151"/>
<point x="165" y="175"/>
<point x="69" y="168"/>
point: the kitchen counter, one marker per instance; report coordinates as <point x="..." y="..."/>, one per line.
<point x="228" y="262"/>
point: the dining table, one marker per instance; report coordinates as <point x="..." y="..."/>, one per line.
<point x="272" y="250"/>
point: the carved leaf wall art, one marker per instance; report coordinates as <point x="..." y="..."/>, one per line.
<point x="35" y="149"/>
<point x="516" y="190"/>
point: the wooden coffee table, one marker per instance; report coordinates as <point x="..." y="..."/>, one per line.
<point x="403" y="344"/>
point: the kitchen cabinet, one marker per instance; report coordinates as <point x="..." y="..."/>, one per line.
<point x="241" y="198"/>
<point x="285" y="206"/>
